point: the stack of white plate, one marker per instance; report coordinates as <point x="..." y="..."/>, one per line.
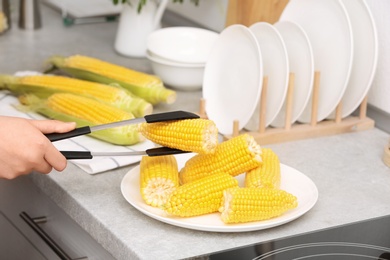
<point x="179" y="54"/>
<point x="337" y="38"/>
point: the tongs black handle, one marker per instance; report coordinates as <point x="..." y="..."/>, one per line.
<point x="153" y="118"/>
<point x="76" y="132"/>
<point x="159" y="151"/>
<point x="77" y="154"/>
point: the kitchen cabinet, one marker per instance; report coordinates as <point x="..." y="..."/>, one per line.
<point x="34" y="227"/>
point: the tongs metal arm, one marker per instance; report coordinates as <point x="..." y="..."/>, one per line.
<point x="159" y="151"/>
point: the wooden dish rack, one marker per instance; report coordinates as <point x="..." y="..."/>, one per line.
<point x="298" y="131"/>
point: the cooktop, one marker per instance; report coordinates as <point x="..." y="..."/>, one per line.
<point x="368" y="239"/>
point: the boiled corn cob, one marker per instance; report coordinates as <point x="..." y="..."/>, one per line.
<point x="254" y="204"/>
<point x="234" y="156"/>
<point x="86" y="112"/>
<point x="199" y="197"/>
<point x="45" y="85"/>
<point x="146" y="86"/>
<point x="268" y="174"/>
<point x="159" y="177"/>
<point x="194" y="135"/>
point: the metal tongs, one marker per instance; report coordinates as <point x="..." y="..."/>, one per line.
<point x="154" y="118"/>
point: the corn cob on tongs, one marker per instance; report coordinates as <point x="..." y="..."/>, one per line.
<point x="153" y="118"/>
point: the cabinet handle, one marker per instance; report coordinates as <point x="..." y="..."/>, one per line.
<point x="33" y="223"/>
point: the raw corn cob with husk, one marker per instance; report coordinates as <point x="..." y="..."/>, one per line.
<point x="85" y="112"/>
<point x="234" y="156"/>
<point x="268" y="174"/>
<point x="255" y="204"/>
<point x="199" y="197"/>
<point x="159" y="177"/>
<point x="45" y="85"/>
<point x="146" y="86"/>
<point x="193" y="135"/>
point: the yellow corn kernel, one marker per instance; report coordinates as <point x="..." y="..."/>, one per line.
<point x="86" y="108"/>
<point x="159" y="177"/>
<point x="45" y="85"/>
<point x="234" y="156"/>
<point x="65" y="84"/>
<point x="146" y="86"/>
<point x="268" y="174"/>
<point x="193" y="135"/>
<point x="199" y="197"/>
<point x="86" y="112"/>
<point x="255" y="204"/>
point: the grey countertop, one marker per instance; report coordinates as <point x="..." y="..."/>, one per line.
<point x="353" y="182"/>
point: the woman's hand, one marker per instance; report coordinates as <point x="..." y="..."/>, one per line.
<point x="24" y="147"/>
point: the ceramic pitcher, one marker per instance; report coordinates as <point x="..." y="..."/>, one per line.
<point x="134" y="27"/>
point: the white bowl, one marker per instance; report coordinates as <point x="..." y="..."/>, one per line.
<point x="179" y="76"/>
<point x="163" y="59"/>
<point x="182" y="44"/>
<point x="178" y="63"/>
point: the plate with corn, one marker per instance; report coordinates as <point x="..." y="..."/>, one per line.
<point x="238" y="187"/>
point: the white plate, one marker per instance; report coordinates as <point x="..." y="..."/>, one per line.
<point x="275" y="63"/>
<point x="365" y="55"/>
<point x="301" y="63"/>
<point x="293" y="181"/>
<point x="233" y="78"/>
<point x="328" y="27"/>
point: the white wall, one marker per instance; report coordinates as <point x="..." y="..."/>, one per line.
<point x="212" y="14"/>
<point x="209" y="13"/>
<point x="379" y="95"/>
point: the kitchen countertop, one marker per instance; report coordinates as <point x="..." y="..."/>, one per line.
<point x="353" y="182"/>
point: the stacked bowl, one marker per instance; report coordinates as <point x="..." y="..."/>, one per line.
<point x="178" y="55"/>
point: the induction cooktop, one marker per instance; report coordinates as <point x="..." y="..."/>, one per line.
<point x="368" y="239"/>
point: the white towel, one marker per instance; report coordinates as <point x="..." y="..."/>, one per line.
<point x="81" y="143"/>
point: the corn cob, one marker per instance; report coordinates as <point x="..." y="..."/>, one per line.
<point x="159" y="177"/>
<point x="255" y="204"/>
<point x="86" y="111"/>
<point x="45" y="85"/>
<point x="268" y="174"/>
<point x="199" y="197"/>
<point x="193" y="135"/>
<point x="234" y="156"/>
<point x="146" y="86"/>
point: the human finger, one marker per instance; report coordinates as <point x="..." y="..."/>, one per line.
<point x="43" y="167"/>
<point x="53" y="126"/>
<point x="55" y="158"/>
